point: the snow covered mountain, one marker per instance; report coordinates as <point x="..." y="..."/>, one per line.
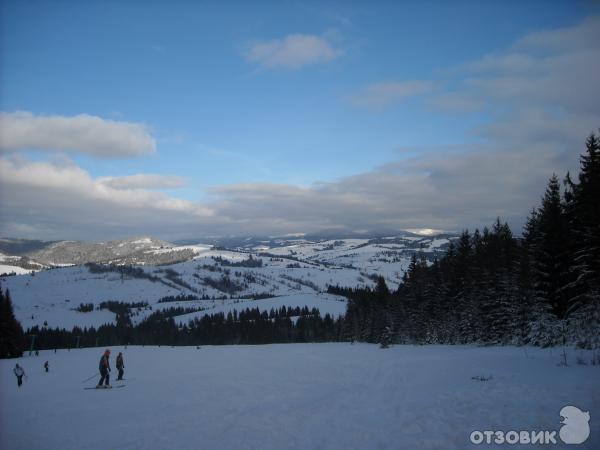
<point x="204" y="279"/>
<point x="36" y="255"/>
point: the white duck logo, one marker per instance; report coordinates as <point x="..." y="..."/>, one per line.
<point x="576" y="427"/>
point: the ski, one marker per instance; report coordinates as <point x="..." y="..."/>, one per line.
<point x="105" y="389"/>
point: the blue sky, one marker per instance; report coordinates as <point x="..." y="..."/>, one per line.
<point x="238" y="104"/>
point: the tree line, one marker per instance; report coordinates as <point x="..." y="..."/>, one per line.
<point x="493" y="288"/>
<point x="249" y="326"/>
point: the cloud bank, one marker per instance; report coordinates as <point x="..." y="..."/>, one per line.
<point x="56" y="201"/>
<point x="83" y="133"/>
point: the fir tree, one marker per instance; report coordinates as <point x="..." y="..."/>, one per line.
<point x="12" y="339"/>
<point x="583" y="210"/>
<point x="550" y="265"/>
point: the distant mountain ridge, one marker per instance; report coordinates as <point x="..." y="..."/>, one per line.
<point x="145" y="250"/>
<point x="139" y="250"/>
<point x="77" y="252"/>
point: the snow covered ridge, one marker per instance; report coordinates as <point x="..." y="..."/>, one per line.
<point x="217" y="280"/>
<point x="44" y="255"/>
<point x="38" y="255"/>
<point x="333" y="396"/>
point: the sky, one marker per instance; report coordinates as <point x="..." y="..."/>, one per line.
<point x="187" y="120"/>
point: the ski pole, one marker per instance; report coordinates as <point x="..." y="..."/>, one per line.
<point x="88" y="379"/>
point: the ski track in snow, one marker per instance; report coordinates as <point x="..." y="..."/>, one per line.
<point x="295" y="396"/>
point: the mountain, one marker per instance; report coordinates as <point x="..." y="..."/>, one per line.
<point x="334" y="234"/>
<point x="36" y="255"/>
<point x="119" y="252"/>
<point x="259" y="273"/>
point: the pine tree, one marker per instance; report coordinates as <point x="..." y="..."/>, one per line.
<point x="550" y="265"/>
<point x="386" y="337"/>
<point x="583" y="210"/>
<point x="12" y="339"/>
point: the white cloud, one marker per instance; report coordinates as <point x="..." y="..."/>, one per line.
<point x="552" y="69"/>
<point x="581" y="36"/>
<point x="292" y="52"/>
<point x="64" y="200"/>
<point x="83" y="133"/>
<point x="381" y="95"/>
<point x="143" y="181"/>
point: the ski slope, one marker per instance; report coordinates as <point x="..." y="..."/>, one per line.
<point x="296" y="396"/>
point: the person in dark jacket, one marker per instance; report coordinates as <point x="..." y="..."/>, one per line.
<point x="19" y="373"/>
<point x="46" y="366"/>
<point x="120" y="365"/>
<point x="104" y="368"/>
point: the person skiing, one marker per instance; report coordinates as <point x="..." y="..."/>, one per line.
<point x="120" y="365"/>
<point x="46" y="366"/>
<point x="19" y="373"/>
<point x="104" y="368"/>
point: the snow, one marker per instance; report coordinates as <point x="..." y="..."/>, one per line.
<point x="423" y="231"/>
<point x="296" y="396"/>
<point x="333" y="305"/>
<point x="195" y="248"/>
<point x="145" y="240"/>
<point x="437" y="243"/>
<point x="56" y="317"/>
<point x="5" y="268"/>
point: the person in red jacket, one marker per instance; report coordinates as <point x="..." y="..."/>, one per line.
<point x="104" y="368"/>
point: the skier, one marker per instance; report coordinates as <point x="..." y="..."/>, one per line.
<point x="19" y="373"/>
<point x="120" y="365"/>
<point x="46" y="366"/>
<point x="104" y="368"/>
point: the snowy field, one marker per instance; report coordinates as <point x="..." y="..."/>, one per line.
<point x="295" y="396"/>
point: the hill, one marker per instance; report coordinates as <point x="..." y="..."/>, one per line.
<point x="292" y="272"/>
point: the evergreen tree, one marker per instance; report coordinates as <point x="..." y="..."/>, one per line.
<point x="386" y="337"/>
<point x="12" y="339"/>
<point x="550" y="264"/>
<point x="583" y="209"/>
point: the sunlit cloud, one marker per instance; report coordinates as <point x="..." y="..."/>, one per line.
<point x="83" y="133"/>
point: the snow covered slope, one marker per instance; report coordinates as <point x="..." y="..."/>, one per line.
<point x="18" y="265"/>
<point x="296" y="396"/>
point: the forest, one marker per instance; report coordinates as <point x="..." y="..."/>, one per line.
<point x="491" y="287"/>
